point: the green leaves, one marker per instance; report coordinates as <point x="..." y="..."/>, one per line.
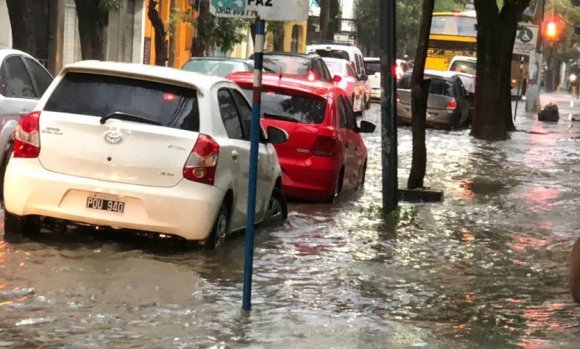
<point x="109" y="4"/>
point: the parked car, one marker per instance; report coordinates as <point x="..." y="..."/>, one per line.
<point x="217" y="66"/>
<point x="23" y="80"/>
<point x="310" y="67"/>
<point x="348" y="52"/>
<point x="447" y="103"/>
<point x="373" y="69"/>
<point x="139" y="147"/>
<point x="325" y="154"/>
<point x="345" y="77"/>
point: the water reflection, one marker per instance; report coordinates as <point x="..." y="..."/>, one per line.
<point x="485" y="268"/>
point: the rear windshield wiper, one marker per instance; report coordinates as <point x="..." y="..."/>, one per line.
<point x="128" y="117"/>
<point x="279" y="117"/>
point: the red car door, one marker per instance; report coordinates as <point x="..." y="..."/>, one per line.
<point x="351" y="148"/>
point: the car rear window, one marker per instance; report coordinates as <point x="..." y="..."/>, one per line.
<point x="215" y="67"/>
<point x="438" y="86"/>
<point x="100" y="95"/>
<point x="288" y="65"/>
<point x="333" y="54"/>
<point x="291" y="107"/>
<point x="373" y="66"/>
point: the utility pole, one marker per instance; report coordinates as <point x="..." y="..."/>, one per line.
<point x="535" y="66"/>
<point x="388" y="105"/>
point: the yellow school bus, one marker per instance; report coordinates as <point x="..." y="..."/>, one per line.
<point x="455" y="34"/>
<point x="452" y="34"/>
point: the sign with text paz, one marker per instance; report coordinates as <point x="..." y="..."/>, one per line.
<point x="269" y="10"/>
<point x="526" y="39"/>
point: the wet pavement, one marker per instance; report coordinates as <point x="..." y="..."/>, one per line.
<point x="486" y="268"/>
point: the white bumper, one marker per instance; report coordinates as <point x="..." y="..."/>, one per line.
<point x="188" y="209"/>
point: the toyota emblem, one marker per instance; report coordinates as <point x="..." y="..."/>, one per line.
<point x="113" y="137"/>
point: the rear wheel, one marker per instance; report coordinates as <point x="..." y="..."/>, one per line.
<point x="277" y="207"/>
<point x="17" y="226"/>
<point x="362" y="176"/>
<point x="220" y="230"/>
<point x="3" y="166"/>
<point x="336" y="190"/>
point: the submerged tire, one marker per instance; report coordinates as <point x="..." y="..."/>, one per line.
<point x="220" y="230"/>
<point x="3" y="166"/>
<point x="16" y="226"/>
<point x="277" y="207"/>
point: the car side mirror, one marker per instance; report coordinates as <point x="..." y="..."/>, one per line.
<point x="336" y="79"/>
<point x="276" y="135"/>
<point x="366" y="127"/>
<point x="358" y="114"/>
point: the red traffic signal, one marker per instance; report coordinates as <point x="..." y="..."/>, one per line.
<point x="552" y="29"/>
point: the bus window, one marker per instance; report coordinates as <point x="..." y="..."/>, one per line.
<point x="453" y="25"/>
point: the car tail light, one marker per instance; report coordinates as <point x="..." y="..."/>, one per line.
<point x="27" y="136"/>
<point x="325" y="146"/>
<point x="452" y="104"/>
<point x="202" y="162"/>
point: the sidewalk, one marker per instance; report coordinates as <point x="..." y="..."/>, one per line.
<point x="568" y="125"/>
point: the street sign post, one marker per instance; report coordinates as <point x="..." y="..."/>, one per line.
<point x="261" y="10"/>
<point x="526" y="39"/>
<point x="269" y="10"/>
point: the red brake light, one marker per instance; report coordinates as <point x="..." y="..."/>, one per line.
<point x="452" y="104"/>
<point x="325" y="146"/>
<point x="27" y="136"/>
<point x="202" y="162"/>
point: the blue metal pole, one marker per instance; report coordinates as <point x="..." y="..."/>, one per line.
<point x="254" y="135"/>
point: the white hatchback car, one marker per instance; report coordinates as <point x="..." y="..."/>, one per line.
<point x="140" y="147"/>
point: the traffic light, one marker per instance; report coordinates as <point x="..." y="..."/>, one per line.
<point x="552" y="29"/>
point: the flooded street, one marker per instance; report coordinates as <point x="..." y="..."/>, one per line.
<point x="486" y="268"/>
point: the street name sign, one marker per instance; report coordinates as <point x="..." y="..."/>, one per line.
<point x="269" y="10"/>
<point x="526" y="39"/>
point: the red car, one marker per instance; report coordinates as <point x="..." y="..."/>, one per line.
<point x="344" y="75"/>
<point x="324" y="154"/>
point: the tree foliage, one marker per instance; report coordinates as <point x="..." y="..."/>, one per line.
<point x="212" y="32"/>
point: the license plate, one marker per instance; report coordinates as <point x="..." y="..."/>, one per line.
<point x="105" y="204"/>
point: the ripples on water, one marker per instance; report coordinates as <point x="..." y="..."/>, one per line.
<point x="485" y="268"/>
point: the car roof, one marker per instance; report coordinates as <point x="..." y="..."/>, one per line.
<point x="318" y="88"/>
<point x="334" y="46"/>
<point x="437" y="73"/>
<point x="463" y="58"/>
<point x="8" y="51"/>
<point x="291" y="54"/>
<point x="218" y="59"/>
<point x="336" y="60"/>
<point x="200" y="82"/>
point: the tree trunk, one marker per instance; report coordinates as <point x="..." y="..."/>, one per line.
<point x="324" y="19"/>
<point x="92" y="24"/>
<point x="535" y="65"/>
<point x="205" y="25"/>
<point x="495" y="38"/>
<point x="160" y="34"/>
<point x="277" y="30"/>
<point x="22" y="25"/>
<point x="419" y="95"/>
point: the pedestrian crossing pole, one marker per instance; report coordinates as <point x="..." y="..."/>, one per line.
<point x="254" y="136"/>
<point x="388" y="105"/>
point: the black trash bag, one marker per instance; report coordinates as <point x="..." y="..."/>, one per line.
<point x="549" y="113"/>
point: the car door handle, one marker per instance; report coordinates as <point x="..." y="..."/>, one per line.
<point x="235" y="155"/>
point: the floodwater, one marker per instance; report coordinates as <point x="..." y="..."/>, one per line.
<point x="486" y="268"/>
